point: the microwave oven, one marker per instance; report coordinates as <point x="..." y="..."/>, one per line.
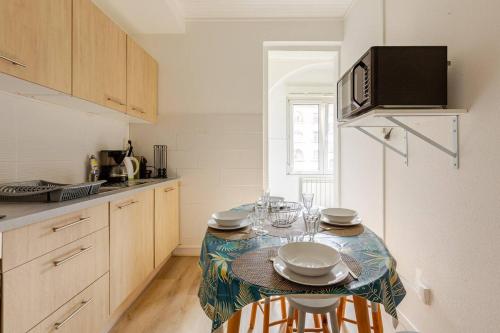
<point x="394" y="77"/>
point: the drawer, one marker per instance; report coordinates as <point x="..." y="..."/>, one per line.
<point x="34" y="290"/>
<point x="24" y="244"/>
<point x="85" y="313"/>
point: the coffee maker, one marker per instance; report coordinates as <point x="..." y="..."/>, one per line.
<point x="113" y="169"/>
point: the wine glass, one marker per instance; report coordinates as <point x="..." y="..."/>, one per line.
<point x="307" y="200"/>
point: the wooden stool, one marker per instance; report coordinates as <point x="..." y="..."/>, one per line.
<point x="318" y="307"/>
<point x="265" y="306"/>
<point x="361" y="307"/>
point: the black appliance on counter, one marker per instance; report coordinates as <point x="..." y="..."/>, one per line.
<point x="394" y="77"/>
<point x="112" y="168"/>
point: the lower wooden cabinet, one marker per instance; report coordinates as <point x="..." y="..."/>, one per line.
<point x="87" y="312"/>
<point x="131" y="244"/>
<point x="33" y="291"/>
<point x="166" y="222"/>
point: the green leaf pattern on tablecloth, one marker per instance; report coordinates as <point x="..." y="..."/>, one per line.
<point x="222" y="293"/>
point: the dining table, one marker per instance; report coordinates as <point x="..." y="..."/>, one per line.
<point x="237" y="270"/>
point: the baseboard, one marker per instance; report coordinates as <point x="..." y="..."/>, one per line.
<point x="404" y="321"/>
<point x="187" y="251"/>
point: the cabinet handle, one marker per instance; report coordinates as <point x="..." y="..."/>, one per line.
<point x="59" y="262"/>
<point x="169" y="189"/>
<point x="12" y="61"/>
<point x="71" y="224"/>
<point x="127" y="204"/>
<point x="138" y="109"/>
<point x="83" y="304"/>
<point x="115" y="100"/>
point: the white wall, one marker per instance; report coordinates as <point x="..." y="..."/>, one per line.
<point x="442" y="223"/>
<point x="210" y="105"/>
<point x="39" y="140"/>
<point x="361" y="160"/>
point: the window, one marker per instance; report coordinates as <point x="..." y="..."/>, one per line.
<point x="310" y="137"/>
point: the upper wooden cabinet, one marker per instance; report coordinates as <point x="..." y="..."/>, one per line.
<point x="99" y="57"/>
<point x="142" y="83"/>
<point x="35" y="41"/>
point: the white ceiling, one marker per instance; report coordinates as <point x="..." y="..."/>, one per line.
<point x="169" y="16"/>
<point x="251" y="9"/>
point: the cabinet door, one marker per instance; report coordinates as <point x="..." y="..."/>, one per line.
<point x="166" y="225"/>
<point x="99" y="57"/>
<point x="142" y="83"/>
<point x="131" y="244"/>
<point x="35" y="41"/>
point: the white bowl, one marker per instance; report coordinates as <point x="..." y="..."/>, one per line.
<point x="229" y="218"/>
<point x="309" y="259"/>
<point x="339" y="215"/>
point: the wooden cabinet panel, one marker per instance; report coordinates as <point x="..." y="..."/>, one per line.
<point x="36" y="37"/>
<point x="87" y="312"/>
<point x="99" y="57"/>
<point x="131" y="244"/>
<point x="142" y="83"/>
<point x="32" y="291"/>
<point x="23" y="244"/>
<point x="166" y="222"/>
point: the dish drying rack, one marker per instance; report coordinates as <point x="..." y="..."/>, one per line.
<point x="44" y="191"/>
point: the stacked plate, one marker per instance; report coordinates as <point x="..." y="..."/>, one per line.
<point x="311" y="264"/>
<point x="229" y="220"/>
<point x="340" y="217"/>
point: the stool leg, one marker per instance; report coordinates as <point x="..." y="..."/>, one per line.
<point x="362" y="317"/>
<point x="289" y="322"/>
<point x="317" y="321"/>
<point x="267" y="313"/>
<point x="341" y="311"/>
<point x="283" y="307"/>
<point x="324" y="324"/>
<point x="378" y="326"/>
<point x="333" y="322"/>
<point x="253" y="315"/>
<point x="301" y="322"/>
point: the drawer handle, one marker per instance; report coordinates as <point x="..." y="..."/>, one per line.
<point x="59" y="262"/>
<point x="127" y="204"/>
<point x="115" y="100"/>
<point x="83" y="304"/>
<point x="12" y="61"/>
<point x="138" y="109"/>
<point x="169" y="189"/>
<point x="71" y="224"/>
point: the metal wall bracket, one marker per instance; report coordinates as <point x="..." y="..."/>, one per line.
<point x="385" y="144"/>
<point x="454" y="154"/>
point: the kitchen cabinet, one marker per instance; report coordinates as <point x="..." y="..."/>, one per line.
<point x="166" y="222"/>
<point x="35" y="41"/>
<point x="99" y="57"/>
<point x="142" y="83"/>
<point x="131" y="244"/>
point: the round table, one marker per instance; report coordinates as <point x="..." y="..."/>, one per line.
<point x="223" y="294"/>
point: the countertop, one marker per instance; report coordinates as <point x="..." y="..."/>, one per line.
<point x="20" y="214"/>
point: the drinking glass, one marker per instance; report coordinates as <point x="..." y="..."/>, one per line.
<point x="294" y="236"/>
<point x="311" y="221"/>
<point x="307" y="200"/>
<point x="265" y="197"/>
<point x="258" y="218"/>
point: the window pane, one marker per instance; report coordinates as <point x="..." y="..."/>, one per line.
<point x="330" y="138"/>
<point x="305" y="137"/>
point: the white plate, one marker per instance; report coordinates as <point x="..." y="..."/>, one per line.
<point x="336" y="275"/>
<point x="229" y="218"/>
<point x="354" y="222"/>
<point x="274" y="199"/>
<point x="244" y="223"/>
<point x="340" y="214"/>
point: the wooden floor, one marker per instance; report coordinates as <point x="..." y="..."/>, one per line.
<point x="170" y="305"/>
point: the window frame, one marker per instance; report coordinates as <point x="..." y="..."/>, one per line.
<point x="323" y="103"/>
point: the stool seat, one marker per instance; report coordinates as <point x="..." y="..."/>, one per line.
<point x="315" y="305"/>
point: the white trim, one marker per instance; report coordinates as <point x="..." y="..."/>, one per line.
<point x="187" y="251"/>
<point x="264" y="19"/>
<point x="406" y="323"/>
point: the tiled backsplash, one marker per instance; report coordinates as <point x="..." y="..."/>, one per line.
<point x="39" y="140"/>
<point x="218" y="156"/>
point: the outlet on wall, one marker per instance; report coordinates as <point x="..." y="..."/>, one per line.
<point x="423" y="291"/>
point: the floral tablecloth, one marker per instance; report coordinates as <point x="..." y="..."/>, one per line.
<point x="222" y="293"/>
